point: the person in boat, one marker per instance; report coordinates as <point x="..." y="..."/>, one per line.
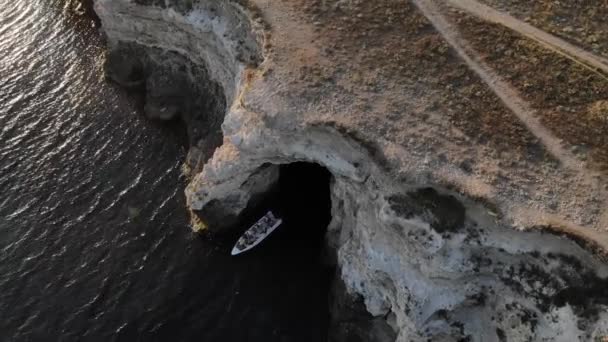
<point x="260" y="228"/>
<point x="257" y="231"/>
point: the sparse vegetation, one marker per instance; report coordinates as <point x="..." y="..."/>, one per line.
<point x="569" y="98"/>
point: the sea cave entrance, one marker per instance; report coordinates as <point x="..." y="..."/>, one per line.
<point x="287" y="276"/>
<point x="302" y="198"/>
<point x="303" y="201"/>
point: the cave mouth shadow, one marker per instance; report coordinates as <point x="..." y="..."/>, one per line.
<point x="287" y="274"/>
<point x="302" y="199"/>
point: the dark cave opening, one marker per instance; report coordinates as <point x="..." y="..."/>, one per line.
<point x="303" y="200"/>
<point x="286" y="277"/>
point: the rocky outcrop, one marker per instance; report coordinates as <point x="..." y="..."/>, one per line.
<point x="175" y="88"/>
<point x="189" y="63"/>
<point x="461" y="210"/>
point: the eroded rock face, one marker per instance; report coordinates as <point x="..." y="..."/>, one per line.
<point x="457" y="214"/>
<point x="475" y="280"/>
<point x="188" y="63"/>
<point x="175" y="88"/>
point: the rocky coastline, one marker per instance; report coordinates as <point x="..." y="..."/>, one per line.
<point x="459" y="211"/>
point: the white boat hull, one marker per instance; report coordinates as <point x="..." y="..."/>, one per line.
<point x="257" y="233"/>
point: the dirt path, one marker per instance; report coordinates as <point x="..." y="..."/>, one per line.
<point x="502" y="89"/>
<point x="511" y="98"/>
<point x="587" y="59"/>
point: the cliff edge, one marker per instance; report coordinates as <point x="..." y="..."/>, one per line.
<point x="467" y="143"/>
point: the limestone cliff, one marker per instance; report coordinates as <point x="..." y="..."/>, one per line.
<point x="467" y="145"/>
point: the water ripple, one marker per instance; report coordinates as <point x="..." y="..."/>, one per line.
<point x="94" y="239"/>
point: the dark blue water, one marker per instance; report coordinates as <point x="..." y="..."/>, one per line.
<point x="95" y="243"/>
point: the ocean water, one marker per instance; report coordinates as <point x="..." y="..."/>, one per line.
<point x="95" y="243"/>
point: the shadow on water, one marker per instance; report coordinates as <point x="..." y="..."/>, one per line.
<point x="281" y="286"/>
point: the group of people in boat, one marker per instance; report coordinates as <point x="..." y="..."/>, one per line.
<point x="258" y="230"/>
